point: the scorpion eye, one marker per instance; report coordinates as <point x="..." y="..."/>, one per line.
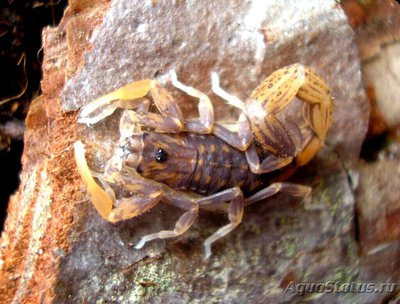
<point x="161" y="155"/>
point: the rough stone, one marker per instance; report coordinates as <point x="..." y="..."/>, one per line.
<point x="378" y="209"/>
<point x="376" y="23"/>
<point x="243" y="42"/>
<point x="379" y="204"/>
<point x="42" y="214"/>
<point x="382" y="76"/>
<point x="78" y="257"/>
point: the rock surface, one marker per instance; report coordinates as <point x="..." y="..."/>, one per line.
<point x="75" y="256"/>
<point x="382" y="78"/>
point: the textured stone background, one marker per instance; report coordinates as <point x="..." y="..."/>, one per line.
<point x="78" y="257"/>
<point x="278" y="240"/>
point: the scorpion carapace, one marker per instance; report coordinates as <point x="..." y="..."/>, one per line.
<point x="200" y="163"/>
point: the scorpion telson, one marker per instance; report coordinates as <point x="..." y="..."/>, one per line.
<point x="200" y="163"/>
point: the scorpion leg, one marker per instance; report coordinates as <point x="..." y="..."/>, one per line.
<point x="171" y="118"/>
<point x="229" y="98"/>
<point x="269" y="164"/>
<point x="236" y="134"/>
<point x="184" y="222"/>
<point x="127" y="125"/>
<point x="235" y="209"/>
<point x="289" y="188"/>
<point x="192" y="204"/>
<point x="235" y="213"/>
<point x="205" y="122"/>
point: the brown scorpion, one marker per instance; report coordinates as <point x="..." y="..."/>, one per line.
<point x="200" y="163"/>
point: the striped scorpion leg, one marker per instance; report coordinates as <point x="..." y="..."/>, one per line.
<point x="239" y="135"/>
<point x="237" y="203"/>
<point x="171" y="119"/>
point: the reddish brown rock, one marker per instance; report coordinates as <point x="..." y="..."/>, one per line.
<point x="41" y="214"/>
<point x="379" y="204"/>
<point x="377" y="32"/>
<point x="378" y="207"/>
<point x="376" y="23"/>
<point x="381" y="76"/>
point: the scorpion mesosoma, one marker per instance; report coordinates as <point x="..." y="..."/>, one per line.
<point x="200" y="163"/>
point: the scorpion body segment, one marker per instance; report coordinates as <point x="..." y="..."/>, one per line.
<point x="201" y="164"/>
<point x="274" y="95"/>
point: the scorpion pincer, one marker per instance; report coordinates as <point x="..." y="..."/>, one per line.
<point x="200" y="163"/>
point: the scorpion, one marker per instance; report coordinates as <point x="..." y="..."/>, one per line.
<point x="201" y="163"/>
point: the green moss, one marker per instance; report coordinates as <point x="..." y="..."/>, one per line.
<point x="151" y="279"/>
<point x="345" y="274"/>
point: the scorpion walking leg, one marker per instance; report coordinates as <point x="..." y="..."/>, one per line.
<point x="237" y="134"/>
<point x="269" y="164"/>
<point x="205" y="122"/>
<point x="235" y="213"/>
<point x="289" y="188"/>
<point x="127" y="125"/>
<point x="230" y="99"/>
<point x="184" y="222"/>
